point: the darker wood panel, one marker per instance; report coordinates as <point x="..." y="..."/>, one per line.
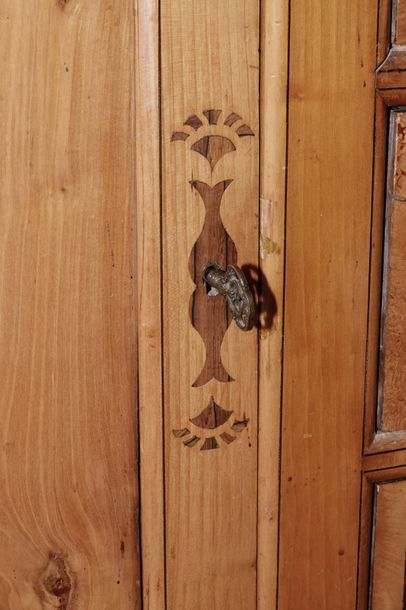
<point x="393" y="366"/>
<point x="392" y="382"/>
<point x="399" y="22"/>
<point x="331" y="109"/>
<point x="383" y="422"/>
<point x="382" y="523"/>
<point x="68" y="511"/>
<point x="388" y="561"/>
<point x="376" y="439"/>
<point x="391" y="56"/>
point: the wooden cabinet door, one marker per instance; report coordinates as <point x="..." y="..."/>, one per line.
<point x="142" y="141"/>
<point x="257" y="448"/>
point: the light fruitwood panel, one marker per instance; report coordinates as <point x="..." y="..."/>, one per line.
<point x="331" y="109"/>
<point x="68" y="511"/>
<point x="209" y="59"/>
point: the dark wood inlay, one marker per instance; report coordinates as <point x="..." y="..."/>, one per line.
<point x="231" y="119"/>
<point x="193" y="121"/>
<point x="209" y="443"/>
<point x="179" y="135"/>
<point x="210" y="314"/>
<point x="227" y="438"/>
<point x="213" y="148"/>
<point x="212" y="416"/>
<point x="192" y="441"/>
<point x="238" y="426"/>
<point x="212" y="116"/>
<point x="181" y="433"/>
<point x="244" y="131"/>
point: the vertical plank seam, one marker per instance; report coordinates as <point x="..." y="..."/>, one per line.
<point x="260" y="58"/>
<point x="259" y="110"/>
<point x="162" y="304"/>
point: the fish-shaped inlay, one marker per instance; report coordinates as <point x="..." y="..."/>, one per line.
<point x="210" y="315"/>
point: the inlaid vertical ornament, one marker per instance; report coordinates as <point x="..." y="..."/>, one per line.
<point x="209" y="312"/>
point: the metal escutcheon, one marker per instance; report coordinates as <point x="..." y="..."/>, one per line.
<point x="232" y="284"/>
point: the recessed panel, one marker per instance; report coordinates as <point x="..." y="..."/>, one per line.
<point x="399" y="22"/>
<point x="392" y="370"/>
<point x="389" y="546"/>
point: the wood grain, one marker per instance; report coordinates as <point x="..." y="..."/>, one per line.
<point x="209" y="58"/>
<point x="327" y="260"/>
<point x="148" y="191"/>
<point x="388" y="562"/>
<point x="68" y="511"/>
